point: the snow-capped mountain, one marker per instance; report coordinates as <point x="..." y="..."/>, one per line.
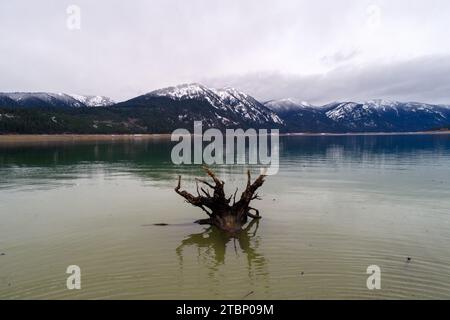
<point x="226" y="99"/>
<point x="287" y="105"/>
<point x="385" y="115"/>
<point x="47" y="99"/>
<point x="249" y="107"/>
<point x="185" y="91"/>
<point x="93" y="101"/>
<point x="164" y="110"/>
<point x="353" y="111"/>
<point x="42" y="99"/>
<point x="226" y="107"/>
<point x="300" y="116"/>
<point x="368" y="116"/>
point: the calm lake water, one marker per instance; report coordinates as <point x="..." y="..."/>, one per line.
<point x="338" y="205"/>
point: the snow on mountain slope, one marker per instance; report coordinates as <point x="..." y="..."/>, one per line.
<point x="179" y="106"/>
<point x="300" y="116"/>
<point x="93" y="101"/>
<point x="36" y="99"/>
<point x="226" y="100"/>
<point x="182" y="91"/>
<point x="367" y="116"/>
<point x="247" y="106"/>
<point x="288" y="104"/>
<point x="47" y="99"/>
<point x="189" y="91"/>
<point x="387" y="115"/>
<point x="357" y="111"/>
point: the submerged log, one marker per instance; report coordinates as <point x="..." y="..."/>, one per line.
<point x="228" y="217"/>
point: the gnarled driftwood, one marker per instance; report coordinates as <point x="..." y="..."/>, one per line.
<point x="222" y="214"/>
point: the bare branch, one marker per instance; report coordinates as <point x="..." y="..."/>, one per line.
<point x="254" y="216"/>
<point x="230" y="218"/>
<point x="256" y="197"/>
<point x="204" y="221"/>
<point x="247" y="195"/>
<point x="207" y="212"/>
<point x="196" y="184"/>
<point x="234" y="196"/>
<point x="206" y="192"/>
<point x="205" y="182"/>
<point x="217" y="181"/>
<point x="198" y="201"/>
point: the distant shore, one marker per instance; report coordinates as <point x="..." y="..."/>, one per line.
<point x="17" y="138"/>
<point x="368" y="133"/>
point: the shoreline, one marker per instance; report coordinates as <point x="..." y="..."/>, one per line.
<point x="406" y="133"/>
<point x="16" y="138"/>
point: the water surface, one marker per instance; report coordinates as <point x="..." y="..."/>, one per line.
<point x="338" y="205"/>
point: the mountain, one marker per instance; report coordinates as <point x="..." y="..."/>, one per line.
<point x="51" y="100"/>
<point x="180" y="106"/>
<point x="41" y="99"/>
<point x="384" y="115"/>
<point x="287" y="105"/>
<point x="160" y="111"/>
<point x="300" y="116"/>
<point x="164" y="110"/>
<point x="93" y="101"/>
<point x="369" y="116"/>
<point x="6" y="101"/>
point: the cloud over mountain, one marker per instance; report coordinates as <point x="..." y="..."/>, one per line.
<point x="420" y="79"/>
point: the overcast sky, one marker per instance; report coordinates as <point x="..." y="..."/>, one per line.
<point x="317" y="51"/>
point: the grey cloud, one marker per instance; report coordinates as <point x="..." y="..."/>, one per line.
<point x="339" y="57"/>
<point x="424" y="79"/>
<point x="274" y="48"/>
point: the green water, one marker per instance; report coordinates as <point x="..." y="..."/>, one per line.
<point x="337" y="205"/>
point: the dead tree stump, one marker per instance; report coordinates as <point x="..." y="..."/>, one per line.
<point x="228" y="217"/>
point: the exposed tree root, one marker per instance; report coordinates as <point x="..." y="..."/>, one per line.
<point x="222" y="214"/>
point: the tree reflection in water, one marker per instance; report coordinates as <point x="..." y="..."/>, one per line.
<point x="211" y="246"/>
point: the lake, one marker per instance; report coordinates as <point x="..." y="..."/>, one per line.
<point x="338" y="205"/>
